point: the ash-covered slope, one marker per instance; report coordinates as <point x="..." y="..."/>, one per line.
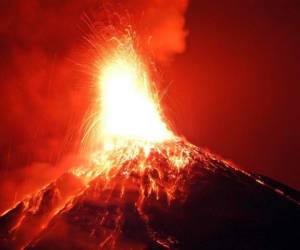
<point x="206" y="204"/>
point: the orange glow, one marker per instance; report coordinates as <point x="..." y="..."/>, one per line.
<point x="129" y="107"/>
<point x="131" y="125"/>
<point x="138" y="153"/>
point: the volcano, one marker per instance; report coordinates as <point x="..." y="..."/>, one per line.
<point x="206" y="204"/>
<point x="144" y="187"/>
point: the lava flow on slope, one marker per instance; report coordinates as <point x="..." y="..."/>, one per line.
<point x="146" y="188"/>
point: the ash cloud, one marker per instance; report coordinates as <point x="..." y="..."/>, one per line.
<point x="44" y="94"/>
<point x="162" y="24"/>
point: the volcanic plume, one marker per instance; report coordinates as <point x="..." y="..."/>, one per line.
<point x="46" y="71"/>
<point x="144" y="187"/>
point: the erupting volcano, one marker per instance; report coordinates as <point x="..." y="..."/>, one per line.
<point x="144" y="187"/>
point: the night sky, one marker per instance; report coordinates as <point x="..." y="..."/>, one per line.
<point x="237" y="86"/>
<point x="232" y="88"/>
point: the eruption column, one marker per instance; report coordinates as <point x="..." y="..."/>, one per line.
<point x="129" y="106"/>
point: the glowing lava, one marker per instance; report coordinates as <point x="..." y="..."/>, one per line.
<point x="130" y="120"/>
<point x="129" y="106"/>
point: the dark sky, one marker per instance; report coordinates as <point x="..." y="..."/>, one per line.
<point x="236" y="89"/>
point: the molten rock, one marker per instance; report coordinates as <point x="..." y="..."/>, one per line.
<point x="175" y="196"/>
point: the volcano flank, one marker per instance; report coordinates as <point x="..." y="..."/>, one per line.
<point x="148" y="203"/>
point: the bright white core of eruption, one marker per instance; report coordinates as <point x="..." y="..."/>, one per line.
<point x="129" y="109"/>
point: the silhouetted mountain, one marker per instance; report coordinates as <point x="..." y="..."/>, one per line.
<point x="207" y="204"/>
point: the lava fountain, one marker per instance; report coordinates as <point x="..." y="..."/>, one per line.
<point x="129" y="123"/>
<point x="143" y="187"/>
<point x="129" y="107"/>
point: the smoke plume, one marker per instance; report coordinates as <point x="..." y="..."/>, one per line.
<point x="44" y="94"/>
<point x="163" y="26"/>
